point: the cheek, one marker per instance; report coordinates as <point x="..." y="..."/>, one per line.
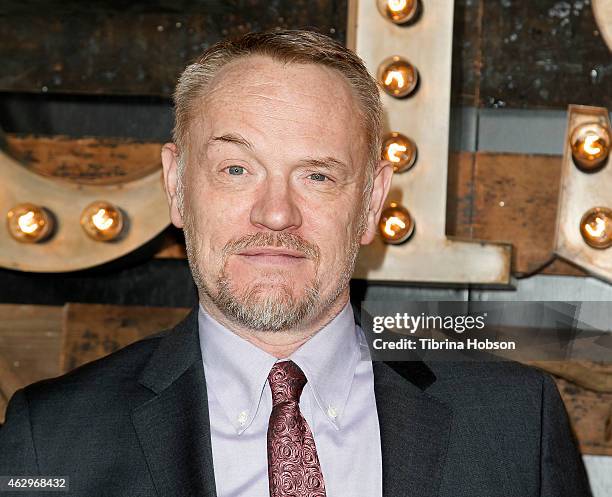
<point x="217" y="221"/>
<point x="331" y="230"/>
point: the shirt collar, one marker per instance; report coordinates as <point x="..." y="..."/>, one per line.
<point x="237" y="371"/>
<point x="329" y="360"/>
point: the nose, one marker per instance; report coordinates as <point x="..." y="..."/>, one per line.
<point x="276" y="208"/>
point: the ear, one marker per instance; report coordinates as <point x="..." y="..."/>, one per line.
<point x="382" y="183"/>
<point x="169" y="156"/>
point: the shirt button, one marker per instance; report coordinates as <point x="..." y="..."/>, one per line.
<point x="242" y="418"/>
<point x="331" y="412"/>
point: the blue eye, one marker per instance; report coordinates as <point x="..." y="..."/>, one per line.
<point x="236" y="170"/>
<point x="318" y="177"/>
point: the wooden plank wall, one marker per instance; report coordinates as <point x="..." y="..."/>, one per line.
<point x="30" y="345"/>
<point x="91" y="331"/>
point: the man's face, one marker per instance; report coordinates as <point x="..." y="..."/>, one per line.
<point x="273" y="186"/>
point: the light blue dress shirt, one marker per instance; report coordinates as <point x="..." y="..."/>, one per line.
<point x="337" y="402"/>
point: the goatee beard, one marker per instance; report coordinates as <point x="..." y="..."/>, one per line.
<point x="264" y="309"/>
<point x="261" y="308"/>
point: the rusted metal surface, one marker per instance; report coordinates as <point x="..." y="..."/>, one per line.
<point x="515" y="200"/>
<point x="590" y="414"/>
<point x="86" y="160"/>
<point x="137" y="48"/>
<point x="510" y="198"/>
<point x="460" y="194"/>
<point x="543" y="53"/>
<point x="467" y="53"/>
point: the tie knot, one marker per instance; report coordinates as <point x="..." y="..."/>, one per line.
<point x="287" y="381"/>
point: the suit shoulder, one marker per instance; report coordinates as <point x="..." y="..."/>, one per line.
<point x="499" y="381"/>
<point x="450" y="371"/>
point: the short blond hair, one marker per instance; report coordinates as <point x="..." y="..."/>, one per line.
<point x="286" y="46"/>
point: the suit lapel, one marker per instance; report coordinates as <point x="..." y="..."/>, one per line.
<point x="172" y="424"/>
<point x="414" y="429"/>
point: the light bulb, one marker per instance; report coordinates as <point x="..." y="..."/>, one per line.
<point x="596" y="227"/>
<point x="400" y="150"/>
<point x="590" y="144"/>
<point x="397" y="76"/>
<point x="29" y="223"/>
<point x="102" y="221"/>
<point x="398" y="11"/>
<point x="396" y="224"/>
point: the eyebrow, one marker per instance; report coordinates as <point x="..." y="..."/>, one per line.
<point x="232" y="138"/>
<point x="329" y="163"/>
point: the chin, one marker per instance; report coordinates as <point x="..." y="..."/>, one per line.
<point x="270" y="290"/>
<point x="245" y="279"/>
<point x="268" y="307"/>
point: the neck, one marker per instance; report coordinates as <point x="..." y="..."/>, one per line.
<point x="280" y="344"/>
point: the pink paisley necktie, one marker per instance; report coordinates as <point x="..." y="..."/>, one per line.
<point x="293" y="464"/>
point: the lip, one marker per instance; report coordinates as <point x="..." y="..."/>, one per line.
<point x="272" y="252"/>
<point x="272" y="257"/>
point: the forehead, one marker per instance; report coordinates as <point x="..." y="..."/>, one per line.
<point x="301" y="105"/>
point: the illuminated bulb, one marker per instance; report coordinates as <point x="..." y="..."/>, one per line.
<point x="397" y="76"/>
<point x="396" y="224"/>
<point x="590" y="145"/>
<point x="29" y="223"/>
<point x="398" y="11"/>
<point x="102" y="221"/>
<point x="400" y="150"/>
<point x="596" y="227"/>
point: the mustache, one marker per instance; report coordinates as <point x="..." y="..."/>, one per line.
<point x="261" y="240"/>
